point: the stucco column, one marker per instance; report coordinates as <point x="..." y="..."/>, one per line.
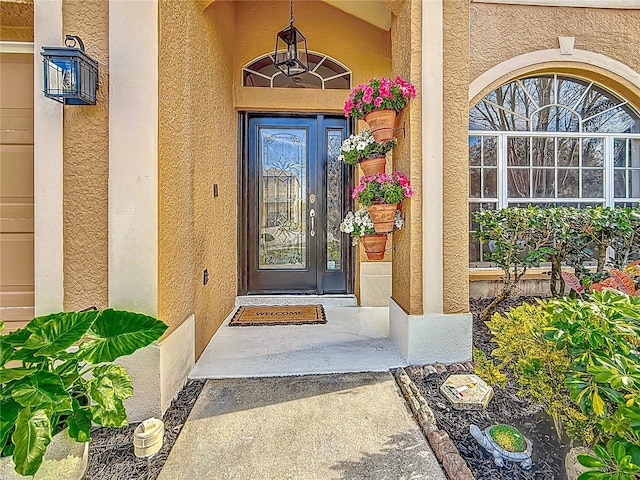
<point x="133" y="155"/>
<point x="48" y="171"/>
<point x="441" y="331"/>
<point x="455" y="177"/>
<point x="432" y="138"/>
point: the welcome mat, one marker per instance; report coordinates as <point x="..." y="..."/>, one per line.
<point x="278" y="315"/>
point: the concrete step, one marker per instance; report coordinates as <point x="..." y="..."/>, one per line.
<point x="325" y="300"/>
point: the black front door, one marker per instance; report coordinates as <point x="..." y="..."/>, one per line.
<point x="296" y="194"/>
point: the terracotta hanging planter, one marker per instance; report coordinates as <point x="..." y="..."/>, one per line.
<point x="374" y="246"/>
<point x="371" y="166"/>
<point x="382" y="124"/>
<point x="382" y="215"/>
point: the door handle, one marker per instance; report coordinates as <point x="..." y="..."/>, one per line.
<point x="312" y="216"/>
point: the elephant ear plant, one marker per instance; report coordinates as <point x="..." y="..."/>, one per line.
<point x="46" y="386"/>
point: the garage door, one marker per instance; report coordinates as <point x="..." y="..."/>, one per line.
<point x="16" y="189"/>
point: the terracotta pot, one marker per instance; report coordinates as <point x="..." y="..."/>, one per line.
<point x="371" y="166"/>
<point x="382" y="216"/>
<point x="382" y="124"/>
<point x="374" y="246"/>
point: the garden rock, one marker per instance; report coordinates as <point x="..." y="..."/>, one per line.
<point x="467" y="392"/>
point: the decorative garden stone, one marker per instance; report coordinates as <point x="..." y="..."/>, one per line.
<point x="504" y="442"/>
<point x="467" y="392"/>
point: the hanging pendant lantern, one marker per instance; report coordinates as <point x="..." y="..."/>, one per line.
<point x="290" y="56"/>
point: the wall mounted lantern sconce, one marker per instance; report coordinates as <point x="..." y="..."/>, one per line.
<point x="70" y="75"/>
<point x="290" y="56"/>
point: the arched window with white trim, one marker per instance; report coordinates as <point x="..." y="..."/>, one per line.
<point x="552" y="140"/>
<point x="324" y="73"/>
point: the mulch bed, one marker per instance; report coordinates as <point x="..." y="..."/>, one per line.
<point x="506" y="407"/>
<point x="111" y="449"/>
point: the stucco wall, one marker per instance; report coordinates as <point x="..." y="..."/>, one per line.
<point x="455" y="157"/>
<point x="500" y="32"/>
<point x="86" y="165"/>
<point x="16" y="20"/>
<point x="197" y="149"/>
<point x="406" y="31"/>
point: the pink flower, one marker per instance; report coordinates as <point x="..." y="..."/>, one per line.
<point x="368" y="91"/>
<point x="367" y="98"/>
<point x="377" y="102"/>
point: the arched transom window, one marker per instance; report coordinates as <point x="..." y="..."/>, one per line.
<point x="552" y="140"/>
<point x="324" y="73"/>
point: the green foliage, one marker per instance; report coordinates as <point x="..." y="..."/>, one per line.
<point x="617" y="460"/>
<point x="601" y="333"/>
<point x="520" y="238"/>
<point x="48" y="388"/>
<point x="539" y="367"/>
<point x="517" y="242"/>
<point x="486" y="369"/>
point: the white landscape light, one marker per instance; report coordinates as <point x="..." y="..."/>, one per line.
<point x="148" y="438"/>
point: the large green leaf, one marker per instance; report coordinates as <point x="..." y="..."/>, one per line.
<point x="120" y="333"/>
<point x="79" y="424"/>
<point x="42" y="388"/>
<point x="17" y="337"/>
<point x="120" y="381"/>
<point x="60" y="331"/>
<point x="8" y="374"/>
<point x="9" y="410"/>
<point x="102" y="392"/>
<point x="116" y="417"/>
<point x="31" y="437"/>
<point x="6" y="350"/>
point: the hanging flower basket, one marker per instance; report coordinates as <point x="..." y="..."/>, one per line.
<point x="377" y="102"/>
<point x="374" y="246"/>
<point x="382" y="215"/>
<point x="371" y="166"/>
<point x="382" y="124"/>
<point x="360" y="227"/>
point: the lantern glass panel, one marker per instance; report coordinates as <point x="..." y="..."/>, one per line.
<point x="61" y="76"/>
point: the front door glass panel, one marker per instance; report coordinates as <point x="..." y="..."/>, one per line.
<point x="283" y="207"/>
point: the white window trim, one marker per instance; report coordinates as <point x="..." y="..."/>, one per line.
<point x="16" y="47"/>
<point x="246" y="68"/>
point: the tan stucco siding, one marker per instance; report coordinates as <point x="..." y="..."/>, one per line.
<point x="86" y="165"/>
<point x="363" y="48"/>
<point x="407" y="158"/>
<point x="16" y="20"/>
<point x="176" y="252"/>
<point x="501" y="32"/>
<point x="197" y="149"/>
<point x="455" y="157"/>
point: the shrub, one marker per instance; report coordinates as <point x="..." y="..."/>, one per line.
<point x="601" y="334"/>
<point x="517" y="242"/>
<point x="539" y="367"/>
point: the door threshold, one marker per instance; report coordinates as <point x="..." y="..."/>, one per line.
<point x="335" y="300"/>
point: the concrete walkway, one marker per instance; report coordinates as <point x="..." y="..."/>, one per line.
<point x="341" y="426"/>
